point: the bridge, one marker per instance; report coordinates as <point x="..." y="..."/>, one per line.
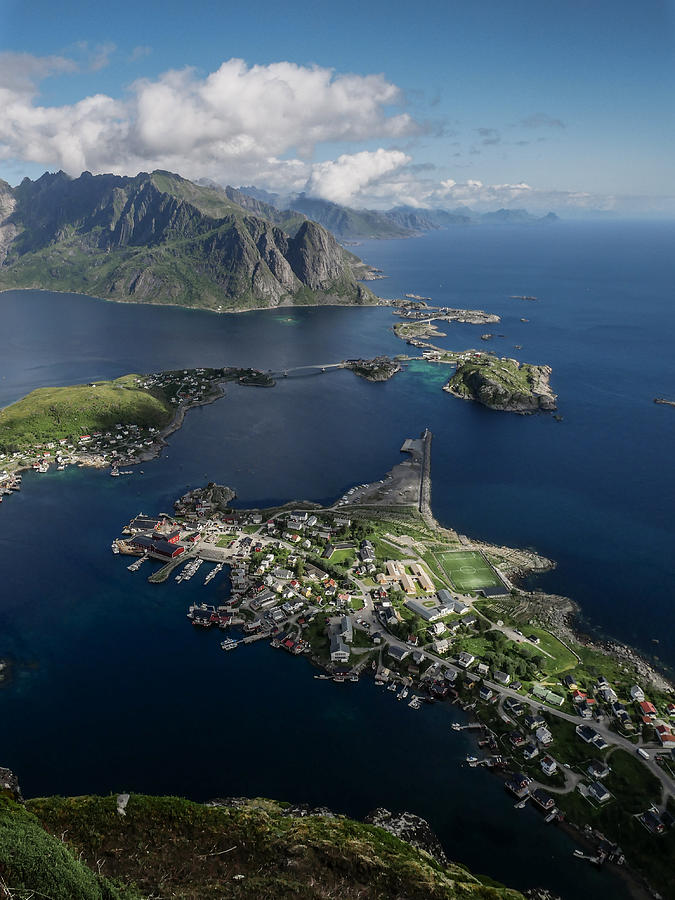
<point x="315" y="369"/>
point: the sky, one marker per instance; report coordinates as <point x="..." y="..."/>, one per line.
<point x="566" y="106"/>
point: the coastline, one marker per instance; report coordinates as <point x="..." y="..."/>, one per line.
<point x="410" y="525"/>
<point x="286" y="304"/>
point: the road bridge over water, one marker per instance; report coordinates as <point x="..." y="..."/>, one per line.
<point x="315" y="369"/>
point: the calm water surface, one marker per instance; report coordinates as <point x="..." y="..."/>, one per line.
<point x="113" y="690"/>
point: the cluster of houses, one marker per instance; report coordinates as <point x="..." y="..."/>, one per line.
<point x="630" y="715"/>
<point x="98" y="448"/>
<point x="186" y="385"/>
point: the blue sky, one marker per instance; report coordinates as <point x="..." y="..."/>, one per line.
<point x="564" y="105"/>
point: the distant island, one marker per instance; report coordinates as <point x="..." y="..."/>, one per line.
<point x="500" y="384"/>
<point x="158" y="238"/>
<point x="503" y="384"/>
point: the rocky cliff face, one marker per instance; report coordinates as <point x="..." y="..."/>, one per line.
<point x="159" y="238"/>
<point x="8" y="231"/>
<point x="503" y="384"/>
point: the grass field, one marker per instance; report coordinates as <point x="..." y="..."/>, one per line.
<point x="468" y="570"/>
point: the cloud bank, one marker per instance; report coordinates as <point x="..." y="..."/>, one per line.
<point x="239" y="123"/>
<point x="257" y="124"/>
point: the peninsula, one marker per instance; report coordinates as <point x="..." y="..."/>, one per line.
<point x="373" y="585"/>
<point x="108" y="422"/>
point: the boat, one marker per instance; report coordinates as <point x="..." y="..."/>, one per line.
<point x="114" y="473"/>
<point x="580" y="854"/>
<point x="551" y="816"/>
<point x="472" y="759"/>
<point x="521" y="804"/>
<point x="115" y="549"/>
<point x="228" y="644"/>
<point x="323" y="677"/>
<point x="456" y="726"/>
<point x="338" y="678"/>
<point x="354" y="678"/>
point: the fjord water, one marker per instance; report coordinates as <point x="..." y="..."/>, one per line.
<point x="113" y="690"/>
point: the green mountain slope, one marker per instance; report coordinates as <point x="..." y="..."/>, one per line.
<point x="159" y="238"/>
<point x="53" y="413"/>
<point x="83" y="849"/>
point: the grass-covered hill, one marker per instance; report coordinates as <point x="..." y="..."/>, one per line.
<point x="83" y="849"/>
<point x="53" y="413"/>
<point x="158" y="238"/>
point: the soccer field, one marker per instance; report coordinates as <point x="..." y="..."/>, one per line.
<point x="469" y="570"/>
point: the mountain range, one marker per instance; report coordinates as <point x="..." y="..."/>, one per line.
<point x="158" y="238"/>
<point x="400" y="221"/>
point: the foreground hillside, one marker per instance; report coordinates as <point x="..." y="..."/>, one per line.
<point x="83" y="848"/>
<point x="158" y="238"/>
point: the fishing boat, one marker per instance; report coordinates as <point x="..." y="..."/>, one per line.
<point x="521" y="804"/>
<point x="228" y="644"/>
<point x="472" y="759"/>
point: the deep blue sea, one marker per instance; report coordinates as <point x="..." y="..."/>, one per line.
<point x="113" y="690"/>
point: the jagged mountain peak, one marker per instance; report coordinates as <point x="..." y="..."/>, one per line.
<point x="158" y="237"/>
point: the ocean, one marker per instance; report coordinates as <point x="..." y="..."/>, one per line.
<point x="113" y="690"/>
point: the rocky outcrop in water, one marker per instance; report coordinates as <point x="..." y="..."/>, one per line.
<point x="503" y="384"/>
<point x="381" y="368"/>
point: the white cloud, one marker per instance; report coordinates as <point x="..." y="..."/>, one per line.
<point x="239" y="123"/>
<point x="345" y="178"/>
<point x="19" y="72"/>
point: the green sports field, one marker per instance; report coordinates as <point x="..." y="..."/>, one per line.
<point x="469" y="571"/>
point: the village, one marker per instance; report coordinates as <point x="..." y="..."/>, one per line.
<point x="125" y="443"/>
<point x="359" y="590"/>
